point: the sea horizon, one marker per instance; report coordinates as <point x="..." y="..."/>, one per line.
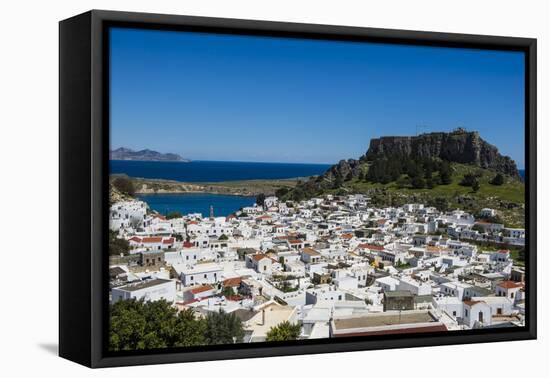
<point x="215" y="171"/>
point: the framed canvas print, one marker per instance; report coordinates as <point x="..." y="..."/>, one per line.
<point x="234" y="188"/>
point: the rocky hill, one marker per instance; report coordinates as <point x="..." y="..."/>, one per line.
<point x="415" y="163"/>
<point x="116" y="195"/>
<point x="459" y="146"/>
<point x="143" y="155"/>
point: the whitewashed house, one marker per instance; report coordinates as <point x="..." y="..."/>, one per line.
<point x="200" y="274"/>
<point x="149" y="290"/>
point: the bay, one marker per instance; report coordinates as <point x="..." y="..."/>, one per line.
<point x="187" y="203"/>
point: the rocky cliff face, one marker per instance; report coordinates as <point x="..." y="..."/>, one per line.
<point x="459" y="146"/>
<point x="343" y="169"/>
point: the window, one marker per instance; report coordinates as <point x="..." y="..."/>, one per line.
<point x="454" y="313"/>
<point x="205" y="276"/>
<point x="192" y="278"/>
<point x="466" y="312"/>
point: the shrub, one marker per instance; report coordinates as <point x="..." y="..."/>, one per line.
<point x="173" y="215"/>
<point x="285" y="331"/>
<point x="497" y="180"/>
<point x="124" y="185"/>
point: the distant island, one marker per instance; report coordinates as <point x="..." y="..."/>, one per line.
<point x="123" y="153"/>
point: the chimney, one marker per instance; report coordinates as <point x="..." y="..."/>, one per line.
<point x="263" y="317"/>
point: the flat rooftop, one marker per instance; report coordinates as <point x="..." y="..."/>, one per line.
<point x="202" y="268"/>
<point x="143" y="284"/>
<point x="398" y="294"/>
<point x="384" y="319"/>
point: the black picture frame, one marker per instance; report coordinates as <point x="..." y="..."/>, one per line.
<point x="83" y="180"/>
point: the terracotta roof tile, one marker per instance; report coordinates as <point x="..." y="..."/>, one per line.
<point x="509" y="284"/>
<point x="201" y="289"/>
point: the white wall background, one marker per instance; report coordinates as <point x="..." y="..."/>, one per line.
<point x="29" y="184"/>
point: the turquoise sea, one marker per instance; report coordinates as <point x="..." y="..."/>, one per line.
<point x="187" y="203"/>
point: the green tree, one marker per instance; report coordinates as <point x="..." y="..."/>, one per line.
<point x="138" y="325"/>
<point x="441" y="204"/>
<point x="338" y="181"/>
<point x="469" y="179"/>
<point x="260" y="199"/>
<point x="418" y="182"/>
<point x="430" y="184"/>
<point x="476" y="186"/>
<point x="228" y="291"/>
<point x="286" y="287"/>
<point x="118" y="246"/>
<point x="478" y="228"/>
<point x="281" y="192"/>
<point x="173" y="215"/>
<point x="124" y="185"/>
<point x="445" y="173"/>
<point x="223" y="237"/>
<point x="284" y="331"/>
<point x="497" y="180"/>
<point x="403" y="182"/>
<point x="223" y="328"/>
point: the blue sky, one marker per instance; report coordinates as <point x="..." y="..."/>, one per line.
<point x="242" y="98"/>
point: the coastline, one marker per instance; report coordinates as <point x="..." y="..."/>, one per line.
<point x="245" y="188"/>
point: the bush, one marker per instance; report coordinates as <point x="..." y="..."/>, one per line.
<point x="223" y="328"/>
<point x="281" y="192"/>
<point x="118" y="246"/>
<point x="227" y="291"/>
<point x="441" y="204"/>
<point x="418" y="182"/>
<point x="285" y="331"/>
<point x="174" y="215"/>
<point x="124" y="185"/>
<point x="286" y="287"/>
<point x="445" y="173"/>
<point x="497" y="180"/>
<point x="260" y="199"/>
<point x="468" y="179"/>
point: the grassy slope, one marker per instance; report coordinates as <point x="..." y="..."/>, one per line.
<point x="512" y="190"/>
<point x="497" y="197"/>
